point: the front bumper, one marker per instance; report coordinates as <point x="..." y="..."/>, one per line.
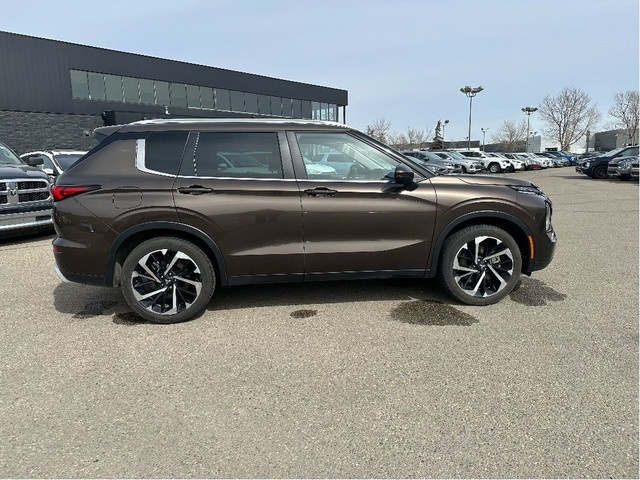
<point x="34" y="219"/>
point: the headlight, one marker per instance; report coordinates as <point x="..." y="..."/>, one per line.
<point x="547" y="215"/>
<point x="448" y="164"/>
<point x="624" y="164"/>
<point x="587" y="164"/>
<point x="529" y="189"/>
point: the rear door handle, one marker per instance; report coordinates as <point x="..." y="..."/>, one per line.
<point x="195" y="190"/>
<point x="320" y="192"/>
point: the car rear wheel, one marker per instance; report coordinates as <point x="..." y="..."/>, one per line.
<point x="167" y="280"/>
<point x="480" y="265"/>
<point x="494" y="168"/>
<point x="600" y="172"/>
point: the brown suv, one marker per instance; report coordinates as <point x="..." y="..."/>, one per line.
<point x="169" y="210"/>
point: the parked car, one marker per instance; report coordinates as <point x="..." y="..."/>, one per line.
<point x="561" y="154"/>
<point x="170" y="228"/>
<point x="25" y="200"/>
<point x="628" y="167"/>
<point x="494" y="165"/>
<point x="597" y="167"/>
<point x="430" y="158"/>
<point x="466" y="164"/>
<point x="516" y="165"/>
<point x="622" y="167"/>
<point x="54" y="162"/>
<point x="527" y="163"/>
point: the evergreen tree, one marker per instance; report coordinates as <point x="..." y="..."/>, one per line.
<point x="437" y="143"/>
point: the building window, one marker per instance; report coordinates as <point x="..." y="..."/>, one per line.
<point x="113" y="87"/>
<point x="131" y="92"/>
<point x="306" y="109"/>
<point x="297" y="109"/>
<point x="287" y="107"/>
<point x="147" y="94"/>
<point x="223" y="99"/>
<point x="162" y="93"/>
<point x="193" y="96"/>
<point x="178" y="95"/>
<point x="206" y="95"/>
<point x="264" y="105"/>
<point x="276" y="106"/>
<point x="96" y="86"/>
<point x="251" y="102"/>
<point x="237" y="101"/>
<point x="79" y="84"/>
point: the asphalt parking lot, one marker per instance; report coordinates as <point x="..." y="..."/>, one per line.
<point x="341" y="379"/>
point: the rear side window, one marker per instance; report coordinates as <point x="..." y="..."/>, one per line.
<point x="240" y="155"/>
<point x="163" y="151"/>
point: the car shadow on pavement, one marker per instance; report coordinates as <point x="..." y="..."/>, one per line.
<point x="19" y="241"/>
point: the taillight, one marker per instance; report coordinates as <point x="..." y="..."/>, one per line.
<point x="60" y="192"/>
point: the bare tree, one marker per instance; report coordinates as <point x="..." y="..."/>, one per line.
<point x="410" y="139"/>
<point x="625" y="110"/>
<point x="379" y="129"/>
<point x="511" y="135"/>
<point x="568" y="116"/>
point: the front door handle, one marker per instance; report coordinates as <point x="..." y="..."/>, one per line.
<point x="320" y="192"/>
<point x="195" y="190"/>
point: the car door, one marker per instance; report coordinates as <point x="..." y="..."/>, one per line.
<point x="360" y="224"/>
<point x="238" y="188"/>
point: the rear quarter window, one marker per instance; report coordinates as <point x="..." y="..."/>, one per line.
<point x="164" y="150"/>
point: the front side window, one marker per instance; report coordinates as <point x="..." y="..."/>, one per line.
<point x="238" y="154"/>
<point x="340" y="156"/>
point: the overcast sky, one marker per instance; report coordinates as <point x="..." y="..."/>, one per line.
<point x="404" y="60"/>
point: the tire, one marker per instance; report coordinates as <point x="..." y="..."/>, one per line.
<point x="494" y="168"/>
<point x="464" y="169"/>
<point x="167" y="280"/>
<point x="487" y="280"/>
<point x="600" y="172"/>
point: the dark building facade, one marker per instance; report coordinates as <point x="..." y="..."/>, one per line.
<point x="53" y="94"/>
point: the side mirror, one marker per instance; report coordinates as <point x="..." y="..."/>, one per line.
<point x="34" y="161"/>
<point x="403" y="175"/>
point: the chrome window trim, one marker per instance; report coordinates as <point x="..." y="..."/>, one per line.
<point x="140" y="160"/>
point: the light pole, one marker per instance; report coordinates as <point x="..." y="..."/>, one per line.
<point x="528" y="111"/>
<point x="470" y="92"/>
<point x="484" y="132"/>
<point x="444" y="125"/>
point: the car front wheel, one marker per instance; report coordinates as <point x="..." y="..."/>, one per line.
<point x="600" y="172"/>
<point x="494" y="168"/>
<point x="167" y="280"/>
<point x="480" y="265"/>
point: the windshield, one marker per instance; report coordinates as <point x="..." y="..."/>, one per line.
<point x="66" y="160"/>
<point x="457" y="156"/>
<point x="8" y="157"/>
<point x="613" y="152"/>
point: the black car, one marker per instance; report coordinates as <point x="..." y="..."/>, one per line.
<point x="597" y="167"/>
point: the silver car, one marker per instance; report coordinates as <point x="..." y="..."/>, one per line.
<point x="468" y="165"/>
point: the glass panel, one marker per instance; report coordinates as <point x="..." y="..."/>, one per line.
<point x="333" y="112"/>
<point x="178" y="95"/>
<point x="113" y="87"/>
<point x="276" y="106"/>
<point x="131" y="92"/>
<point x="339" y="156"/>
<point x="237" y="101"/>
<point x="162" y="93"/>
<point x="251" y="102"/>
<point x="193" y="96"/>
<point x="79" y="84"/>
<point x="324" y="111"/>
<point x="243" y="155"/>
<point x="306" y="109"/>
<point x="96" y="86"/>
<point x="315" y="110"/>
<point x="264" y="105"/>
<point x="297" y="109"/>
<point x="286" y="107"/>
<point x="223" y="99"/>
<point x="147" y="95"/>
<point x="163" y="151"/>
<point x="206" y="94"/>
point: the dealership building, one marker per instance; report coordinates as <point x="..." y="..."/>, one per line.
<point x="53" y="94"/>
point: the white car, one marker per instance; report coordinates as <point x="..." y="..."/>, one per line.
<point x="516" y="164"/>
<point x="54" y="162"/>
<point x="493" y="164"/>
